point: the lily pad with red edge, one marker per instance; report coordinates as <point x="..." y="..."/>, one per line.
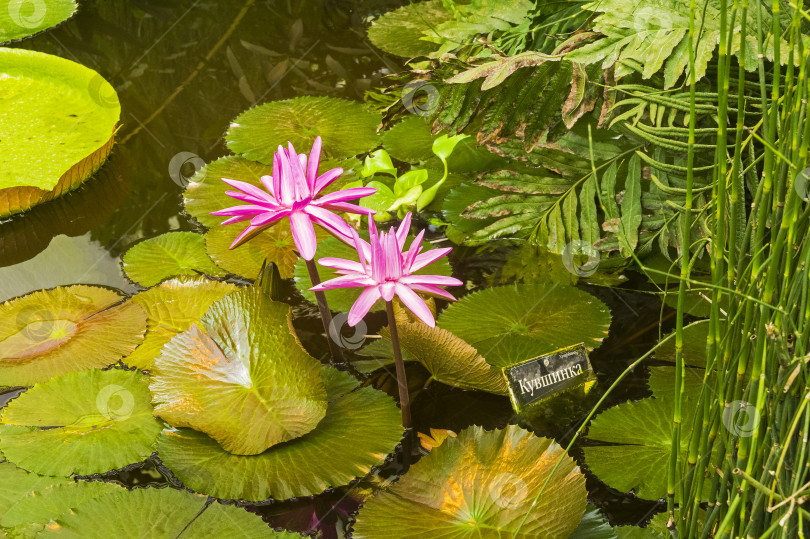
<point x="81" y="423"/>
<point x="169" y="255"/>
<point x="171" y="308"/>
<point x="53" y="332"/>
<point x="361" y="427"/>
<point x="481" y="484"/>
<point x="160" y="513"/>
<point x="510" y="324"/>
<point x="347" y="128"/>
<point x="240" y="375"/>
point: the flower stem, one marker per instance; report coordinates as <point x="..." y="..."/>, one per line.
<point x="402" y="381"/>
<point x="326" y="314"/>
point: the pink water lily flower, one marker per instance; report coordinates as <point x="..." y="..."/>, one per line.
<point x="291" y="192"/>
<point x="386" y="269"/>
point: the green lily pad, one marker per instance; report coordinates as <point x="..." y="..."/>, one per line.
<point x="410" y="140"/>
<point x="360" y="428"/>
<point x="53" y="332"/>
<point x="509" y="324"/>
<point x="169" y="255"/>
<point x="21" y="18"/>
<point x="57" y="126"/>
<point x="160" y="513"/>
<point x="480" y="484"/>
<point x="449" y="359"/>
<point x="342" y="299"/>
<point x="171" y="308"/>
<point x="400" y="32"/>
<point x="240" y="376"/>
<point x="87" y="422"/>
<point x="694" y="346"/>
<point x="593" y="526"/>
<point x="346" y="128"/>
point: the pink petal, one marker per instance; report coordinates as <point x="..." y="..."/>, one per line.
<point x="432" y="291"/>
<point x="268" y="218"/>
<point x="249" y="189"/>
<point x="344" y="281"/>
<point x="341" y="264"/>
<point x="277" y="175"/>
<point x="331" y="222"/>
<point x="240" y="210"/>
<point x="403" y="231"/>
<point x="303" y="234"/>
<point x="300" y="187"/>
<point x="428" y="257"/>
<point x="387" y="290"/>
<point x="415" y="304"/>
<point x="267" y="181"/>
<point x="349" y="208"/>
<point x="344" y="195"/>
<point x="245" y="235"/>
<point x="239" y="195"/>
<point x="393" y="258"/>
<point x="312" y="166"/>
<point x="437" y="280"/>
<point x="287" y="182"/>
<point x="416" y="246"/>
<point x="326" y="178"/>
<point x="363" y="305"/>
<point x="237" y="219"/>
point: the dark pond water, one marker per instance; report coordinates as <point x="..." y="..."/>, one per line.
<point x="183" y="70"/>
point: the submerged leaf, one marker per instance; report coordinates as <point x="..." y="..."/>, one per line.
<point x="240" y="376"/>
<point x="481" y="484"/>
<point x="509" y="324"/>
<point x="361" y="426"/>
<point x="53" y="332"/>
<point x="168" y="255"/>
<point x="86" y="422"/>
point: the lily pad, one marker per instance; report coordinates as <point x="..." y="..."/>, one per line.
<point x="21" y="18"/>
<point x="694" y="346"/>
<point x="53" y="332"/>
<point x="449" y="359"/>
<point x="400" y="32"/>
<point x="509" y="324"/>
<point x="87" y="422"/>
<point x="347" y="128"/>
<point x="410" y="140"/>
<point x="160" y="513"/>
<point x="342" y="299"/>
<point x="56" y="129"/>
<point x="481" y="484"/>
<point x="168" y="255"/>
<point x="361" y="426"/>
<point x="240" y="376"/>
<point x="171" y="308"/>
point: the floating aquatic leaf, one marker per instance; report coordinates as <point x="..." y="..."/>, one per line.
<point x="656" y="529"/>
<point x="593" y="526"/>
<point x="240" y="376"/>
<point x="480" y="484"/>
<point x="171" y="308"/>
<point x="343" y="299"/>
<point x="347" y="128"/>
<point x="87" y="422"/>
<point x="56" y="129"/>
<point x="53" y="332"/>
<point x="168" y="255"/>
<point x="21" y="18"/>
<point x="694" y="346"/>
<point x="361" y="426"/>
<point x="410" y="140"/>
<point x="509" y="324"/>
<point x="160" y="513"/>
<point x="400" y="32"/>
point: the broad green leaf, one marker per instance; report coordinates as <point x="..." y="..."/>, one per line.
<point x="694" y="346"/>
<point x="53" y="332"/>
<point x="87" y="422"/>
<point x="56" y="128"/>
<point x="410" y="140"/>
<point x="607" y="195"/>
<point x="160" y="513"/>
<point x="400" y="32"/>
<point x="342" y="299"/>
<point x="22" y="18"/>
<point x="498" y="70"/>
<point x="380" y="201"/>
<point x="444" y="145"/>
<point x="509" y="324"/>
<point x="631" y="208"/>
<point x="409" y="180"/>
<point x="480" y="484"/>
<point x="449" y="359"/>
<point x="168" y="255"/>
<point x="346" y="128"/>
<point x="361" y="426"/>
<point x="241" y="376"/>
<point x="593" y="526"/>
<point x="378" y="162"/>
<point x="408" y="198"/>
<point x="171" y="308"/>
<point x="662" y="381"/>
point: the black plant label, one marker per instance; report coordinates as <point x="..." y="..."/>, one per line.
<point x="542" y="377"/>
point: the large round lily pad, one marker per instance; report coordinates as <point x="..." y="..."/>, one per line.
<point x="22" y="18"/>
<point x="168" y="255"/>
<point x="53" y="332"/>
<point x="360" y="428"/>
<point x="171" y="308"/>
<point x="341" y="299"/>
<point x="481" y="484"/>
<point x="56" y="127"/>
<point x="86" y="422"/>
<point x="509" y="324"/>
<point x="694" y="346"/>
<point x="160" y="513"/>
<point x="240" y="376"/>
<point x="347" y="128"/>
<point x="400" y="32"/>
